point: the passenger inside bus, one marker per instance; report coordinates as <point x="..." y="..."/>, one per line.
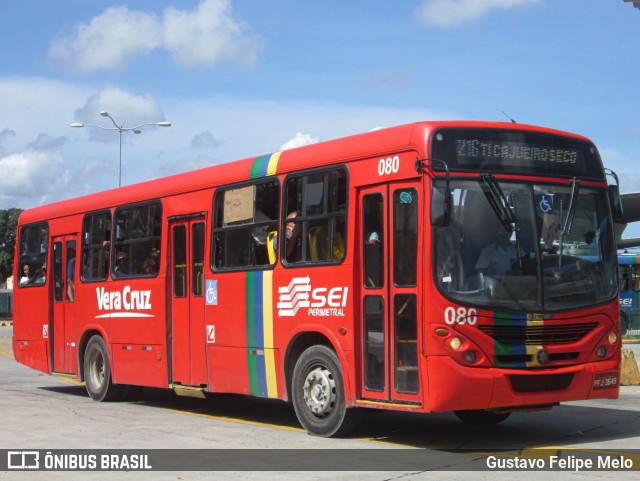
<point x="26" y="278"/>
<point x="106" y="247"/>
<point x="373" y="254"/>
<point x="121" y="264"/>
<point x="293" y="231"/>
<point x="42" y="276"/>
<point x="152" y="262"/>
<point x="498" y="256"/>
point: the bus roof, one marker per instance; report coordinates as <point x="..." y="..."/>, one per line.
<point x="377" y="142"/>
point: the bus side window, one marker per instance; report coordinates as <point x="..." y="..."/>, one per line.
<point x="624" y="278"/>
<point x="316" y="208"/>
<point x="635" y="278"/>
<point x="33" y="255"/>
<point x="372" y="236"/>
<point x="137" y="245"/>
<point x="245" y="224"/>
<point x="96" y="249"/>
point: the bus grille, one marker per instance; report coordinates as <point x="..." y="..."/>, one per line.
<point x="546" y="383"/>
<point x="539" y="335"/>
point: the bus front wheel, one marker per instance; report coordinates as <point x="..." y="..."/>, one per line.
<point x="318" y="394"/>
<point x="97" y="372"/>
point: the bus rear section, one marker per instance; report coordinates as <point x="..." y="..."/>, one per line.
<point x="32" y="341"/>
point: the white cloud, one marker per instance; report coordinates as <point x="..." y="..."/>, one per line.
<point x="453" y="13"/>
<point x="45" y="142"/>
<point x="203" y="37"/>
<point x="204" y="140"/>
<point x="206" y="36"/>
<point x="272" y="122"/>
<point x="31" y="177"/>
<point x="43" y="159"/>
<point x="5" y="134"/>
<point x="299" y="140"/>
<point x="32" y="105"/>
<point x="108" y="41"/>
<point x="128" y="110"/>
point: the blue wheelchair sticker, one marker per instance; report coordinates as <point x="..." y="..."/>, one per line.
<point x="544" y="203"/>
<point x="211" y="293"/>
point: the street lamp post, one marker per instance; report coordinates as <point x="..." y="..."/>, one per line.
<point x="120" y="129"/>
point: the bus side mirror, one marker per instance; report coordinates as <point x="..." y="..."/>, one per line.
<point x="440" y="206"/>
<point x="616" y="203"/>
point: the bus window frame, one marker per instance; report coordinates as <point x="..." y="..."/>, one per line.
<point x="83" y="277"/>
<point x="306" y="219"/>
<point x="624" y="280"/>
<point x="21" y="262"/>
<point x="634" y="278"/>
<point x="152" y="240"/>
<point x="218" y="210"/>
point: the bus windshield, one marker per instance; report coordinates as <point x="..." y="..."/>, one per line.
<point x="554" y="251"/>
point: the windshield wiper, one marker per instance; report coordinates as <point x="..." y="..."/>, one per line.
<point x="500" y="205"/>
<point x="571" y="212"/>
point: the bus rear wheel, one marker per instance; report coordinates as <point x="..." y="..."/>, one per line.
<point x="318" y="394"/>
<point x="97" y="372"/>
<point x="481" y="417"/>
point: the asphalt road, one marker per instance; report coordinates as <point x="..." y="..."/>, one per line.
<point x="43" y="412"/>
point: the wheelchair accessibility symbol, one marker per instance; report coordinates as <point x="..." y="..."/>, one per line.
<point x="211" y="289"/>
<point x="545" y="203"/>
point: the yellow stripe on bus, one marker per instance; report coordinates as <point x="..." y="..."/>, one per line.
<point x="273" y="163"/>
<point x="267" y="316"/>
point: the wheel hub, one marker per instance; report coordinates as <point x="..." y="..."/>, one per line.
<point x="97" y="369"/>
<point x="320" y="391"/>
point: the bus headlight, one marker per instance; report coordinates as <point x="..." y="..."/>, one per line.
<point x="601" y="352"/>
<point x="461" y="349"/>
<point x="613" y="338"/>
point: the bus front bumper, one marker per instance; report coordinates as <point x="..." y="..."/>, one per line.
<point x="456" y="387"/>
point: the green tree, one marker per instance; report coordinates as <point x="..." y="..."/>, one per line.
<point x="8" y="225"/>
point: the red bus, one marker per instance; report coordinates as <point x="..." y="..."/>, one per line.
<point x="436" y="266"/>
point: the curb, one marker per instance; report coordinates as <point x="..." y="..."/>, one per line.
<point x="6" y="323"/>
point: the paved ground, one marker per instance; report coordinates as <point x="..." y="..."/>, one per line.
<point x="38" y="411"/>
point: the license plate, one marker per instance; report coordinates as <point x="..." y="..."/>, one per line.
<point x="609" y="379"/>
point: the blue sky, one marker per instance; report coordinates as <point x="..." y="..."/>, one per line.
<point x="243" y="78"/>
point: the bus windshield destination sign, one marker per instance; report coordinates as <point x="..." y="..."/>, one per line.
<point x="512" y="152"/>
<point x="516" y="152"/>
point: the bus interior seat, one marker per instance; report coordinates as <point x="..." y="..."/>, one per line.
<point x="319" y="244"/>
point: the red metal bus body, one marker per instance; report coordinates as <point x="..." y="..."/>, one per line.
<point x="382" y="302"/>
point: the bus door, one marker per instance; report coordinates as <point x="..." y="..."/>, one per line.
<point x="62" y="333"/>
<point x="388" y="231"/>
<point x="187" y="301"/>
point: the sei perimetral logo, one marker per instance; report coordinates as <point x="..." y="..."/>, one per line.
<point x="319" y="301"/>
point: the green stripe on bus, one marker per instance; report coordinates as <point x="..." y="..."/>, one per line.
<point x="251" y="334"/>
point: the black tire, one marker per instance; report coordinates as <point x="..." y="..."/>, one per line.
<point x="97" y="372"/>
<point x="481" y="417"/>
<point x="318" y="394"/>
